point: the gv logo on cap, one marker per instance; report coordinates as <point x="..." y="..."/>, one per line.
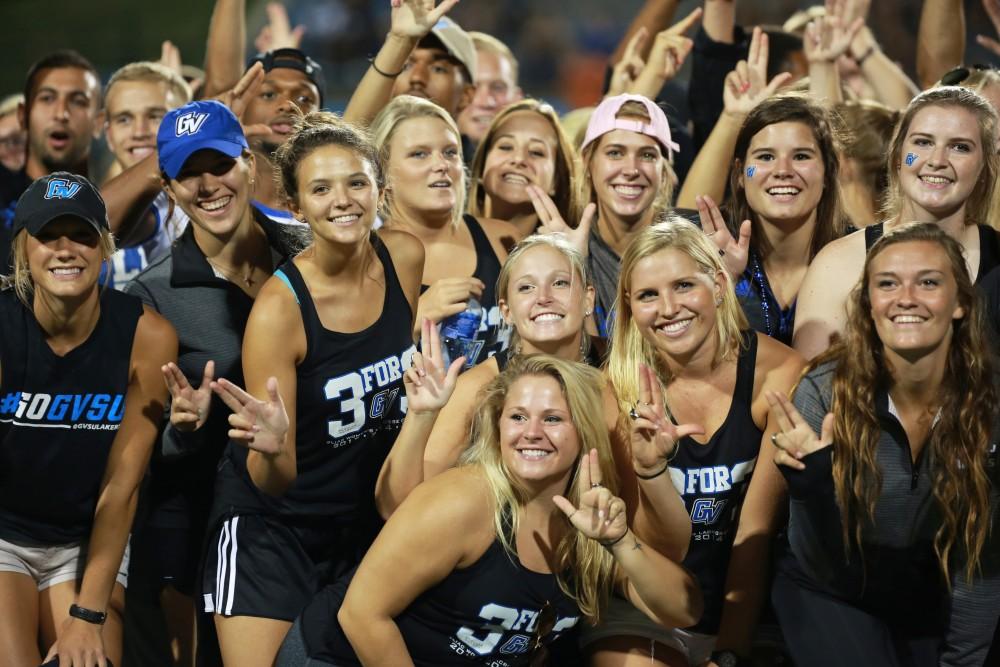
<point x="60" y="188"/>
<point x="190" y="123"/>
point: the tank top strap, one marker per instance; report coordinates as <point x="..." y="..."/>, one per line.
<point x="872" y="234"/>
<point x="503" y="358"/>
<point x="745" y="367"/>
<point x="289" y="274"/>
<point x="989" y="250"/>
<point x="479" y="238"/>
<point x="395" y="296"/>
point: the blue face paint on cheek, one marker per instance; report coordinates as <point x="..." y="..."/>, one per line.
<point x="751" y="170"/>
<point x="910" y="159"/>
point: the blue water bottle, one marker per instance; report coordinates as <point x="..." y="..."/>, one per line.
<point x="458" y="334"/>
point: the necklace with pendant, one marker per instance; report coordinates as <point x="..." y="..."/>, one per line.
<point x="233" y="276"/>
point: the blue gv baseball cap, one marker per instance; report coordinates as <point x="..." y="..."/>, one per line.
<point x="194" y="127"/>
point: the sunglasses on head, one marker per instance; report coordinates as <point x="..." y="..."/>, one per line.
<point x="960" y="74"/>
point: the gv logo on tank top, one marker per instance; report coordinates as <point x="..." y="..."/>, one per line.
<point x="367" y="394"/>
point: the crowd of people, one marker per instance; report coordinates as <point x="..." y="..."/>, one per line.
<point x="729" y="396"/>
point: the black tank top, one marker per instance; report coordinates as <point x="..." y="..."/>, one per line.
<point x="485" y="614"/>
<point x="713" y="479"/>
<point x="491" y="337"/>
<point x="350" y="405"/>
<point x="989" y="246"/>
<point x="58" y="418"/>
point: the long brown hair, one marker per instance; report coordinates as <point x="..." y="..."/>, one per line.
<point x="564" y="177"/>
<point x="789" y="108"/>
<point x="958" y="442"/>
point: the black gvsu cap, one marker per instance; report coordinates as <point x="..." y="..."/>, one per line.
<point x="292" y="59"/>
<point x="58" y="194"/>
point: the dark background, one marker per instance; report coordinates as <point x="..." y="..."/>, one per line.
<point x="561" y="44"/>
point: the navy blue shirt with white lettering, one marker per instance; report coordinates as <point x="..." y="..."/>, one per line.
<point x="58" y="418"/>
<point x="350" y="405"/>
<point x="712" y="478"/>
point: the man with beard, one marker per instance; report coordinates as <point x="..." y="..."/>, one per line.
<point x="62" y="98"/>
<point x="135" y="100"/>
<point x="293" y="83"/>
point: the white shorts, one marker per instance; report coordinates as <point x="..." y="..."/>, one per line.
<point x="622" y="619"/>
<point x="51" y="565"/>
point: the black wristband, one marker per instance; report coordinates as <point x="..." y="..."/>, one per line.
<point x="88" y="615"/>
<point x="655" y="474"/>
<point x="388" y="75"/>
<point x="608" y="545"/>
<point x="867" y="54"/>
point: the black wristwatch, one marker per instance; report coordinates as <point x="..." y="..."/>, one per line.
<point x="89" y="615"/>
<point x="727" y="659"/>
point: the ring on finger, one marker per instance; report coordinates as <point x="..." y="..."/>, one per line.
<point x="633" y="415"/>
<point x="774" y="440"/>
<point x="596" y="485"/>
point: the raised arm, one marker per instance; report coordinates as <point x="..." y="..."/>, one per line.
<point x="891" y="86"/>
<point x="669" y="51"/>
<point x="827" y="38"/>
<point x="441" y="523"/>
<point x="746" y="87"/>
<point x="940" y="39"/>
<point x="428" y="385"/>
<point x="410" y="21"/>
<point x="653" y="16"/>
<point x="655" y="584"/>
<point x="720" y="20"/>
<point x="155" y="344"/>
<point x="227" y="35"/>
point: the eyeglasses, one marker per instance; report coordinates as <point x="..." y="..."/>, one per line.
<point x="544" y="624"/>
<point x="960" y="74"/>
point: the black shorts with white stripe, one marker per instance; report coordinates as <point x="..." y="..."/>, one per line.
<point x="257" y="565"/>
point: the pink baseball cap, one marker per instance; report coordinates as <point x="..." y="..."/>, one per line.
<point x="603" y="120"/>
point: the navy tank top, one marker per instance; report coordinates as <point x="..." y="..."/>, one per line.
<point x="491" y="337"/>
<point x="350" y="405"/>
<point x="484" y="614"/>
<point x="58" y="418"/>
<point x="712" y="479"/>
<point x="989" y="246"/>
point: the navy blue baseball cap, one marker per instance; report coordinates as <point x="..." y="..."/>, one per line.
<point x="57" y="195"/>
<point x="194" y="127"/>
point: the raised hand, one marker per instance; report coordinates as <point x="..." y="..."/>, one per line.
<point x="747" y="85"/>
<point x="601" y="514"/>
<point x="551" y="220"/>
<point x="829" y="37"/>
<point x="260" y="425"/>
<point x="415" y="18"/>
<point x="447" y="297"/>
<point x="626" y="70"/>
<point x="238" y="98"/>
<point x="670" y="49"/>
<point x="278" y="33"/>
<point x="170" y="56"/>
<point x="992" y="8"/>
<point x="428" y="385"/>
<point x="189" y="407"/>
<point x="654" y="437"/>
<point x="795" y="438"/>
<point x="735" y="252"/>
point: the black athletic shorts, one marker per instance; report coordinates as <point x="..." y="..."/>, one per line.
<point x="258" y="565"/>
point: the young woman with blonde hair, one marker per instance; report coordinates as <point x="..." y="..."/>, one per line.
<point x="680" y="330"/>
<point x="943" y="168"/>
<point x="495" y="559"/>
<point x="421" y="156"/>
